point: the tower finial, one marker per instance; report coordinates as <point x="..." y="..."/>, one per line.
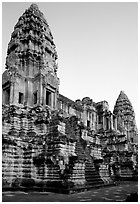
<point x="34" y="6"/>
<point x="121" y="92"/>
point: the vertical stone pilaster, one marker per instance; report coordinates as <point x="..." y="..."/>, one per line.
<point x="111" y="122"/>
<point x="44" y="95"/>
<point x="40" y="91"/>
<point x="26" y="91"/>
<point x="104" y="125"/>
<point x="97" y="122"/>
<point x="115" y="122"/>
<point x="12" y="92"/>
<point x="56" y="96"/>
<point x="53" y="102"/>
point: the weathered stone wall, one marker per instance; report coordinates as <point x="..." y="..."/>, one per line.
<point x="49" y="140"/>
<point x="42" y="149"/>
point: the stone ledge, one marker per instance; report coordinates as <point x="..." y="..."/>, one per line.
<point x="55" y="190"/>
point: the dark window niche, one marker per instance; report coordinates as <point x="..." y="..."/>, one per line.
<point x="88" y="123"/>
<point x="132" y="140"/>
<point x="20" y="99"/>
<point x="107" y="123"/>
<point x="35" y="97"/>
<point x="48" y="98"/>
<point x="100" y="119"/>
<point x="7" y="95"/>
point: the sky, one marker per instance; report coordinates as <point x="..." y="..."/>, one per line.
<point x="97" y="46"/>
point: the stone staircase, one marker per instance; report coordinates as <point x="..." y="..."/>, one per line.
<point x="92" y="176"/>
<point x="126" y="173"/>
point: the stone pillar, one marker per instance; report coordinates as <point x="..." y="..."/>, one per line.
<point x="3" y="97"/>
<point x="104" y="125"/>
<point x="30" y="66"/>
<point x="44" y="95"/>
<point x="26" y="91"/>
<point x="128" y="129"/>
<point x="111" y="122"/>
<point x="97" y="122"/>
<point x="30" y="92"/>
<point x="56" y="96"/>
<point x="40" y="92"/>
<point x="12" y="92"/>
<point x="115" y="123"/>
<point x="52" y="99"/>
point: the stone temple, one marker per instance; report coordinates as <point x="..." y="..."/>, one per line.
<point x="48" y="140"/>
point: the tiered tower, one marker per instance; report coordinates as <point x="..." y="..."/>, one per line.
<point x="126" y="117"/>
<point x="31" y="63"/>
<point x="50" y="141"/>
<point x="30" y="92"/>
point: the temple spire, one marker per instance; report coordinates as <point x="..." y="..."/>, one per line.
<point x="34" y="6"/>
<point x="31" y="62"/>
<point x="32" y="40"/>
<point x="124" y="111"/>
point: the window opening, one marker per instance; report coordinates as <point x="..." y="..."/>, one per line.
<point x="88" y="123"/>
<point x="132" y="140"/>
<point x="100" y="119"/>
<point x="48" y="98"/>
<point x="53" y="100"/>
<point x="20" y="99"/>
<point x="7" y="96"/>
<point x="107" y="123"/>
<point x="35" y="97"/>
<point x="68" y="109"/>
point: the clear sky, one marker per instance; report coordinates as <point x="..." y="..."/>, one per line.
<point x="97" y="46"/>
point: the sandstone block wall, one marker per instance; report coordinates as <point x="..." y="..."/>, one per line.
<point x="49" y="151"/>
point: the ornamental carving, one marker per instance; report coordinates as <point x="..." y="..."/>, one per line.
<point x="5" y="113"/>
<point x="60" y="146"/>
<point x="51" y="80"/>
<point x="42" y="115"/>
<point x="11" y="60"/>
